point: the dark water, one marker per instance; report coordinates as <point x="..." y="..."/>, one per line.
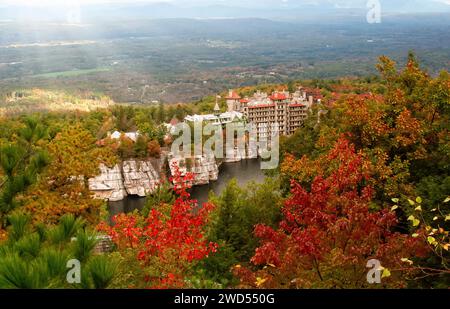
<point x="244" y="171"/>
<point x="129" y="204"/>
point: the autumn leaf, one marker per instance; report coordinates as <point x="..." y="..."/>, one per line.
<point x="431" y="240"/>
<point x="386" y="273"/>
<point x="405" y="260"/>
<point x="260" y="281"/>
<point x="415" y="222"/>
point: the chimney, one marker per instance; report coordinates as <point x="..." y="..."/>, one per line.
<point x="310" y="100"/>
<point x="230" y="105"/>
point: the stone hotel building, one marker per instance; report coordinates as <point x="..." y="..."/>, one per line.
<point x="281" y="108"/>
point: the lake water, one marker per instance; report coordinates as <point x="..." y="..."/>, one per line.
<point x="244" y="171"/>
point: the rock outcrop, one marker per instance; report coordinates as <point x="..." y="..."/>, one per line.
<point x="131" y="177"/>
<point x="109" y="184"/>
<point x="204" y="168"/>
<point x="140" y="177"/>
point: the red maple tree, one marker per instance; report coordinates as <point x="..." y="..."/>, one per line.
<point x="328" y="235"/>
<point x="169" y="240"/>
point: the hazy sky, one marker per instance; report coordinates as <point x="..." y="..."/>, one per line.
<point x="193" y="2"/>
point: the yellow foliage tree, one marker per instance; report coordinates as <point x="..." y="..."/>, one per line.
<point x="63" y="187"/>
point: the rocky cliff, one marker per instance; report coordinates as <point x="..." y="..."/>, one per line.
<point x="109" y="184"/>
<point x="131" y="177"/>
<point x="140" y="177"/>
<point x="204" y="168"/>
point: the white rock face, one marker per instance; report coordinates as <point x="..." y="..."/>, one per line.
<point x="204" y="168"/>
<point x="109" y="184"/>
<point x="140" y="177"/>
<point x="132" y="177"/>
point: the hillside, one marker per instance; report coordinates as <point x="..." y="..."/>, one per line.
<point x="38" y="100"/>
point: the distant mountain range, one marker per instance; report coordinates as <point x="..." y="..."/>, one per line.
<point x="274" y="9"/>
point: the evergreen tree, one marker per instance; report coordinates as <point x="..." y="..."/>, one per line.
<point x="37" y="257"/>
<point x="20" y="162"/>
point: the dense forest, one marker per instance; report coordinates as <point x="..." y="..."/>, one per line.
<point x="367" y="177"/>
